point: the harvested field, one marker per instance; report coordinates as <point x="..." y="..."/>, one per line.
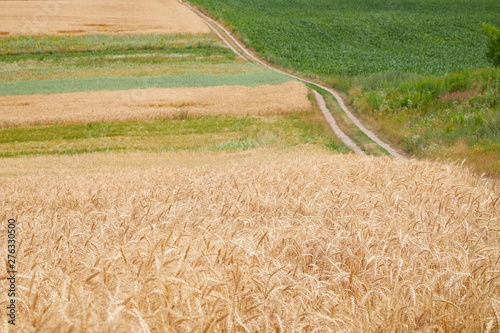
<point x="307" y="241"/>
<point x="149" y="104"/>
<point x="97" y="17"/>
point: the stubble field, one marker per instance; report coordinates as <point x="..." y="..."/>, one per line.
<point x="94" y="16"/>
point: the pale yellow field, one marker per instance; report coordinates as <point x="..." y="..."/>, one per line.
<point x="275" y="241"/>
<point x="149" y="104"/>
<point x="97" y="16"/>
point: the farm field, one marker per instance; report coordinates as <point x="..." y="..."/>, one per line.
<point x="369" y="49"/>
<point x="161" y="183"/>
<point x="250" y="241"/>
<point x="94" y="16"/>
<point x="95" y="93"/>
<point x="53" y="64"/>
<point x="224" y="133"/>
<point x="349" y="38"/>
<point x="43" y="59"/>
<point x="152" y="104"/>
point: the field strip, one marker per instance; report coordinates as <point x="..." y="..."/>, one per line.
<point x="335" y="94"/>
<point x="190" y="80"/>
<point x="150" y="104"/>
<point x="100" y="162"/>
<point x="62" y="17"/>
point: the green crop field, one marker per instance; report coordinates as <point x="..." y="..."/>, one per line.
<point x="348" y="37"/>
<point x="48" y="44"/>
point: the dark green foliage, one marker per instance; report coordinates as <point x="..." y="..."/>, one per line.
<point x="358" y="37"/>
<point x="493" y="44"/>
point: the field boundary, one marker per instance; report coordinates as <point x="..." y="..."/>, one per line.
<point x="335" y="94"/>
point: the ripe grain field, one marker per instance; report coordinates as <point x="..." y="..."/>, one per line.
<point x="305" y="242"/>
<point x="161" y="217"/>
<point x="152" y="104"/>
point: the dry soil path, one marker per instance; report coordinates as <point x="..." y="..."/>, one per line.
<point x="245" y="53"/>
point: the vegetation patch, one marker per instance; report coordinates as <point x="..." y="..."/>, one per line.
<point x="456" y="116"/>
<point x="61" y="64"/>
<point x="219" y="133"/>
<point x="35" y="46"/>
<point x="124" y="83"/>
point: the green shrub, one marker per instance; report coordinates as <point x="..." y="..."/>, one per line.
<point x="493" y="44"/>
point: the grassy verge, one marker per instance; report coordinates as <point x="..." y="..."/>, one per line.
<point x="455" y="116"/>
<point x="192" y="134"/>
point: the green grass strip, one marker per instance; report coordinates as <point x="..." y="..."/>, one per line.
<point x="108" y="83"/>
<point x="218" y="133"/>
<point x="48" y="44"/>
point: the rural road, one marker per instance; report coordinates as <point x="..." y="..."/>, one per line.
<point x="248" y="55"/>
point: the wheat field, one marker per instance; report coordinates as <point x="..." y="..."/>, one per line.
<point x="62" y="17"/>
<point x="303" y="241"/>
<point x="150" y="104"/>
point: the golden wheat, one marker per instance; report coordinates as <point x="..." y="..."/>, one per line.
<point x="96" y="16"/>
<point x="150" y="104"/>
<point x="309" y="242"/>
